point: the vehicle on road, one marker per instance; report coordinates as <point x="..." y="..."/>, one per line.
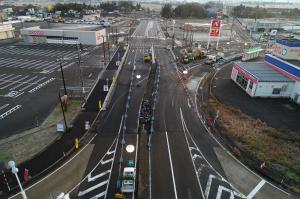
<point x="148" y="56"/>
<point x="128" y="182"/>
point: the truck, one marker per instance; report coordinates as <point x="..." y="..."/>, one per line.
<point x="128" y="180"/>
<point x="147" y="56"/>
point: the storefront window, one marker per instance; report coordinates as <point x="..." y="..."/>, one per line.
<point x="242" y="80"/>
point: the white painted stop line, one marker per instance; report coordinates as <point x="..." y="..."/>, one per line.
<point x="256" y="189"/>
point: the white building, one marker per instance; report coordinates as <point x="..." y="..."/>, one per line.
<point x="6" y="31"/>
<point x="273" y="77"/>
<point x="36" y="35"/>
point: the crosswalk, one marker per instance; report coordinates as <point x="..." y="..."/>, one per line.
<point x="16" y="85"/>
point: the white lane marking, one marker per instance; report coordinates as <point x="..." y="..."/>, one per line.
<point x="90" y="75"/>
<point x="189" y="104"/>
<point x="208" y="185"/>
<point x="107" y="161"/>
<point x="187" y="142"/>
<point x="4" y="106"/>
<point x="135" y="161"/>
<point x="171" y="164"/>
<point x="10" y="80"/>
<point x="93" y="178"/>
<point x="99" y="195"/>
<point x="81" y="193"/>
<point x="256" y="189"/>
<point x="10" y="111"/>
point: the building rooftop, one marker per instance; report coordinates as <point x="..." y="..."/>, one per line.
<point x="262" y="72"/>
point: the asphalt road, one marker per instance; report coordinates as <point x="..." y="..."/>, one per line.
<point x="185" y="160"/>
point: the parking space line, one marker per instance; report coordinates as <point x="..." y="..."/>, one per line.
<point x="4" y="106"/>
<point x="25" y="82"/>
<point x="10" y="111"/>
<point x="9" y="80"/>
<point x="14" y="82"/>
<point x="31" y="84"/>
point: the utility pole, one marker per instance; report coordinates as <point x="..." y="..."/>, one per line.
<point x="63" y="77"/>
<point x="103" y="46"/>
<point x="80" y="71"/>
<point x="116" y="35"/>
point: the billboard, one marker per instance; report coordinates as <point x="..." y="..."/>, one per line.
<point x="215" y="28"/>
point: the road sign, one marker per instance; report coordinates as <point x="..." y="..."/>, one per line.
<point x="105" y="88"/>
<point x="215" y="28"/>
<point x="87" y="125"/>
<point x="60" y="127"/>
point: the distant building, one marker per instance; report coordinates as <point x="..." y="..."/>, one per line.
<point x="6" y="31"/>
<point x="35" y="35"/>
<point x="261" y="25"/>
<point x="7" y="10"/>
<point x="287" y="48"/>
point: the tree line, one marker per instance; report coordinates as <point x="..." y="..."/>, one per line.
<point x="188" y="10"/>
<point x="106" y="6"/>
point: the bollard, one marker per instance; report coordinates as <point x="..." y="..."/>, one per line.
<point x="76" y="143"/>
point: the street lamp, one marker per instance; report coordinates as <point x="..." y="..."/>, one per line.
<point x="14" y="170"/>
<point x="185" y="72"/>
<point x="138" y="76"/>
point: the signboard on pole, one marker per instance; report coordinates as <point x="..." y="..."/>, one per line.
<point x="215" y="28"/>
<point x="60" y="127"/>
<point x="105" y="88"/>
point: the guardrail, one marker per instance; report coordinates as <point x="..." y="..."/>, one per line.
<point x="114" y="82"/>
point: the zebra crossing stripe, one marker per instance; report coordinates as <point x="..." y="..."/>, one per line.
<point x="27" y="82"/>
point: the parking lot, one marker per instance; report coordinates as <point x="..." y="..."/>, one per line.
<point x="30" y="79"/>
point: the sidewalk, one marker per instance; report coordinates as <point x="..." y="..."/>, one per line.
<point x="63" y="148"/>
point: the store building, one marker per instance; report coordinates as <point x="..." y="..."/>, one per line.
<point x="272" y="77"/>
<point x="35" y="35"/>
<point x="6" y="31"/>
<point x="251" y="53"/>
<point x="287" y="48"/>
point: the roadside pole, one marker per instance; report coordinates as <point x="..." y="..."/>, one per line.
<point x="209" y="37"/>
<point x="219" y="35"/>
<point x="63" y="77"/>
<point x="103" y="46"/>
